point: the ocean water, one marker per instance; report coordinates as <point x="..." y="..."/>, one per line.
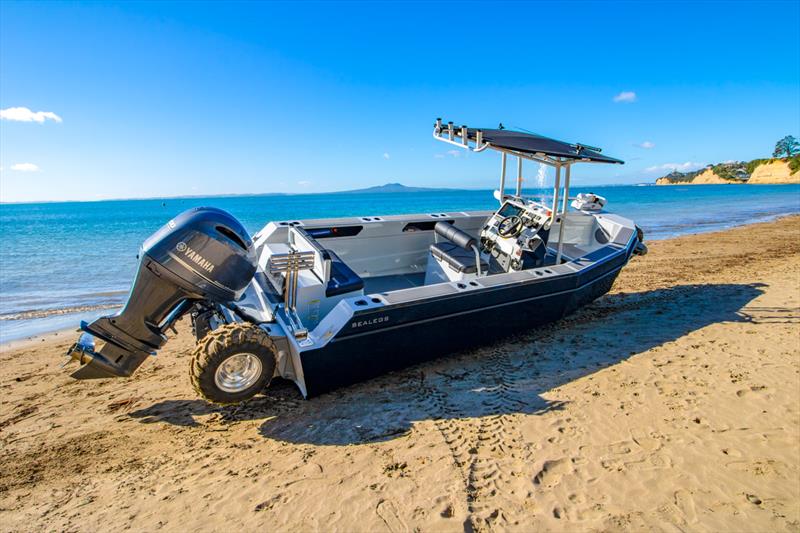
<point x="63" y="262"/>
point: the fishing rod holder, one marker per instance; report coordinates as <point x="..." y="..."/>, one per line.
<point x="290" y="264"/>
<point x="448" y="133"/>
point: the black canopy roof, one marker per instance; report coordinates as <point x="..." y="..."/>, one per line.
<point x="530" y="143"/>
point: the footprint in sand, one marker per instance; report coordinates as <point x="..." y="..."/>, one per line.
<point x="551" y="472"/>
<point x="655" y="461"/>
<point x="731" y="452"/>
<point x="645" y="442"/>
<point x="758" y="389"/>
<point x="620" y="448"/>
<point x="388" y="513"/>
<point x="685" y="502"/>
<point x="752" y="498"/>
<point x="765" y="467"/>
<point x="614" y="449"/>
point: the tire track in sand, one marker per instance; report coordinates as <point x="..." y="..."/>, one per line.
<point x="476" y="418"/>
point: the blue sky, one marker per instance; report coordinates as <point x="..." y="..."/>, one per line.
<point x="157" y="99"/>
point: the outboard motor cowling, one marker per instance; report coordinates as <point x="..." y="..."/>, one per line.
<point x="203" y="254"/>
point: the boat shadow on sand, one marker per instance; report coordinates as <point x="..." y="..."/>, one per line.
<point x="505" y="378"/>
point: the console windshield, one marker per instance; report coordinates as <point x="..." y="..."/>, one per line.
<point x="509" y="210"/>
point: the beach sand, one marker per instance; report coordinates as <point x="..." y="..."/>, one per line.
<point x="671" y="404"/>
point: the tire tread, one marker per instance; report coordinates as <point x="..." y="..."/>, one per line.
<point x="219" y="344"/>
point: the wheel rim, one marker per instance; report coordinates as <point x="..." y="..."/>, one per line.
<point x="238" y="372"/>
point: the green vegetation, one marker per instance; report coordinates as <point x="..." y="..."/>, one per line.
<point x="794" y="163"/>
<point x="786" y="147"/>
<point x="681" y="177"/>
<point x="751" y="166"/>
<point x="736" y="171"/>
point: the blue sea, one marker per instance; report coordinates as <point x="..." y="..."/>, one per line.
<point x="63" y="262"/>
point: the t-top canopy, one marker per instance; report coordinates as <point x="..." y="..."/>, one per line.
<point x="523" y="143"/>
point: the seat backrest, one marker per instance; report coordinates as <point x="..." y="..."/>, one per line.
<point x="454" y="235"/>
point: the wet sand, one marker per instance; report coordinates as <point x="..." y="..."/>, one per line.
<point x="671" y="404"/>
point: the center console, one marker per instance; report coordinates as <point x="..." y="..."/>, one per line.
<point x="516" y="234"/>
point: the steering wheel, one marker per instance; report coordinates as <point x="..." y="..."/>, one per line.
<point x="510" y="226"/>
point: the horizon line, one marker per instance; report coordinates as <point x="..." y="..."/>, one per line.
<point x="349" y="191"/>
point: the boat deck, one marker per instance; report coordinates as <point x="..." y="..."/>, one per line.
<point x="397" y="282"/>
<point x="384" y="284"/>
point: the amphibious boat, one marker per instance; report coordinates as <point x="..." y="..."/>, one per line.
<point x="329" y="302"/>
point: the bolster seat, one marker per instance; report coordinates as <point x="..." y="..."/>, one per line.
<point x="457" y="258"/>
<point x="342" y="279"/>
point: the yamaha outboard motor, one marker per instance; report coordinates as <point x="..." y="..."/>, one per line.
<point x="202" y="255"/>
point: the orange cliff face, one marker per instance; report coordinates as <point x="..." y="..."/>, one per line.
<point x="708" y="176"/>
<point x="774" y="172"/>
<point x="666" y="181"/>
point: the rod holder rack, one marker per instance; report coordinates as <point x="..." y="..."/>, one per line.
<point x="291" y="264"/>
<point x="458" y="136"/>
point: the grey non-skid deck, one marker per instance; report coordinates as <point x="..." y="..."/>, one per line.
<point x="380" y="284"/>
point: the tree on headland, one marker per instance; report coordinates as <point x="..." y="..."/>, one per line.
<point x="786" y="147"/>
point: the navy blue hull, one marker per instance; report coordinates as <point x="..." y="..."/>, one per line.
<point x="407" y="334"/>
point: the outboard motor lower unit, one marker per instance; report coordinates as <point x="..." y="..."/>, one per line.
<point x="202" y="255"/>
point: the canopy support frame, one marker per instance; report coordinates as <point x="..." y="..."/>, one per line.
<point x="460" y="137"/>
<point x="564" y="207"/>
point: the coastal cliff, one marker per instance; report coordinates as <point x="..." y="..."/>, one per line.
<point x="774" y="172"/>
<point x="675" y="178"/>
<point x="706" y="177"/>
<point x="758" y="171"/>
<point x="734" y="172"/>
<point x="709" y="176"/>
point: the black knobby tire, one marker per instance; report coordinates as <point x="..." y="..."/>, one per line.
<point x="220" y="344"/>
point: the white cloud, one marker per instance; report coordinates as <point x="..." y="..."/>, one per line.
<point x="626" y="97"/>
<point x="454" y="153"/>
<point x="386" y="155"/>
<point x="25" y="167"/>
<point x="304" y="183"/>
<point x="680" y="167"/>
<point x="647" y="145"/>
<point x="451" y="153"/>
<point x="23" y="114"/>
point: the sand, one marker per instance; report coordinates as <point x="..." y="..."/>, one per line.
<point x="672" y="404"/>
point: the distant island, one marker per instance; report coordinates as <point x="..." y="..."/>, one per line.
<point x="776" y="169"/>
<point x="392" y="188"/>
